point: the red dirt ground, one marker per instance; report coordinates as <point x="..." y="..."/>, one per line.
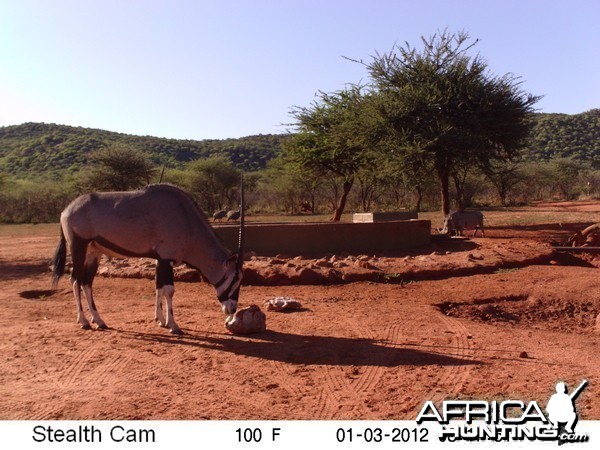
<point x="491" y="318"/>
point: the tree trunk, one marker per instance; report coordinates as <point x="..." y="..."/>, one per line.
<point x="444" y="177"/>
<point x="502" y="193"/>
<point x="419" y="198"/>
<point x="460" y="192"/>
<point x="342" y="202"/>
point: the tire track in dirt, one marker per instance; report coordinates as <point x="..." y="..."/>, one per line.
<point x="469" y="354"/>
<point x="254" y="384"/>
<point x="93" y="366"/>
<point x="392" y="336"/>
<point x="38" y="409"/>
<point x="141" y="371"/>
<point x="450" y="380"/>
<point x="112" y="366"/>
<point x="72" y="375"/>
<point x="337" y="392"/>
<point x="74" y="367"/>
<point x="455" y="376"/>
<point x="287" y="374"/>
<point x="327" y="398"/>
<point x="323" y="405"/>
<point x="373" y="371"/>
<point x="45" y="411"/>
<point x="248" y="383"/>
<point x="346" y="387"/>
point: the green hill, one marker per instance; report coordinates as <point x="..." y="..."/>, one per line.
<point x="37" y="148"/>
<point x="32" y="149"/>
<point x="574" y="136"/>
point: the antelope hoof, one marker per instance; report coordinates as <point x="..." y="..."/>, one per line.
<point x="176" y="330"/>
<point x="86" y="326"/>
<point x="161" y="324"/>
<point x="100" y="325"/>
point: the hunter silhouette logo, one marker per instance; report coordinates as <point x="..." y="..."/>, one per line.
<point x="561" y="410"/>
<point x="507" y="420"/>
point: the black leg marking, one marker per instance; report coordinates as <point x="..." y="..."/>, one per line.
<point x="164" y="281"/>
<point x="164" y="273"/>
<point x="91" y="266"/>
<point x="78" y="253"/>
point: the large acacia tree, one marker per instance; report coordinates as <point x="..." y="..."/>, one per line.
<point x="442" y="105"/>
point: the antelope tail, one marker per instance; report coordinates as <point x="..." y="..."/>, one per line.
<point x="59" y="260"/>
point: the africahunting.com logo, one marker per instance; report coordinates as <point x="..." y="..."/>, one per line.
<point x="478" y="420"/>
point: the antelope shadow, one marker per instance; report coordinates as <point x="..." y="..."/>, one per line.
<point x="312" y="349"/>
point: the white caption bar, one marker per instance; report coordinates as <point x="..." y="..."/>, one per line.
<point x="222" y="435"/>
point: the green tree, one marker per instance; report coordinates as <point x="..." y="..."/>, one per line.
<point x="285" y="185"/>
<point x="538" y="181"/>
<point x="213" y="182"/>
<point x="468" y="182"/>
<point x="446" y="106"/>
<point x="404" y="168"/>
<point x="505" y="177"/>
<point x="280" y="189"/>
<point x="569" y="177"/>
<point x="116" y="168"/>
<point x="331" y="139"/>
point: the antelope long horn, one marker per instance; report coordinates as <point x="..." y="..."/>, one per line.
<point x="241" y="237"/>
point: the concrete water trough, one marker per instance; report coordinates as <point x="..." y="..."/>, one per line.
<point x="328" y="237"/>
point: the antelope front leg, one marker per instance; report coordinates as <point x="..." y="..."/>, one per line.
<point x="165" y="286"/>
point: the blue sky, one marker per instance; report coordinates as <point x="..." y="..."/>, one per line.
<point x="232" y="68"/>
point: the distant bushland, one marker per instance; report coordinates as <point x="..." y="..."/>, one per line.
<point x="33" y="149"/>
<point x="44" y="166"/>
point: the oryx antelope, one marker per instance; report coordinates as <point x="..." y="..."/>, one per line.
<point x="161" y="222"/>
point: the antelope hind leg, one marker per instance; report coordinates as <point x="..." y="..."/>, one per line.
<point x="78" y="254"/>
<point x="158" y="311"/>
<point x="81" y="319"/>
<point x="90" y="268"/>
<point x="87" y="289"/>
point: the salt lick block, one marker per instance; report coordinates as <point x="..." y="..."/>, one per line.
<point x="282" y="304"/>
<point x="247" y="320"/>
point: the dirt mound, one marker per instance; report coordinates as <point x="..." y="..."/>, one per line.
<point x="565" y="299"/>
<point x="441" y="259"/>
<point x="549" y="313"/>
